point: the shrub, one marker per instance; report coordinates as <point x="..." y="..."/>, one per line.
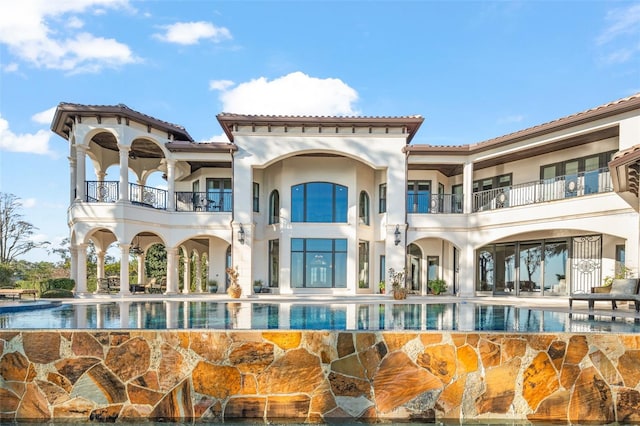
<point x="57" y="293"/>
<point x="58" y="284"/>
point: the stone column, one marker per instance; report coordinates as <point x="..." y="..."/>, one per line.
<point x="467" y="270"/>
<point x="198" y="273"/>
<point x="171" y="190"/>
<point x="81" y="282"/>
<point x="172" y="270"/>
<point x="81" y="158"/>
<point x="142" y="279"/>
<point x="124" y="269"/>
<point x="467" y="188"/>
<point x="124" y="173"/>
<point x="73" y="264"/>
<point x="186" y="274"/>
<point x="73" y="179"/>
<point x="100" y="263"/>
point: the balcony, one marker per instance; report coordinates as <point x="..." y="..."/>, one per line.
<point x="156" y="198"/>
<point x="544" y="190"/>
<point x="204" y="201"/>
<point x="434" y="203"/>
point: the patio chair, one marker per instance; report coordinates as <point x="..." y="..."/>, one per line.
<point x="621" y="291"/>
<point x="153" y="286"/>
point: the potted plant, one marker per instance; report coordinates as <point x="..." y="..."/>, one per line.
<point x="213" y="286"/>
<point x="398" y="284"/>
<point x="437" y="286"/>
<point x="234" y="289"/>
<point x="257" y="286"/>
<point x="382" y="286"/>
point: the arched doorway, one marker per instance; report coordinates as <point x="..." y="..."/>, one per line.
<point x="414" y="270"/>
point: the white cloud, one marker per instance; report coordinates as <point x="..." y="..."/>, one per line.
<point x="220" y="84"/>
<point x="27" y="28"/>
<point x="44" y="117"/>
<point x="192" y="32"/>
<point x="34" y="143"/>
<point x="11" y="67"/>
<point x="517" y="118"/>
<point x="622" y="21"/>
<point x="620" y="40"/>
<point x="222" y="137"/>
<point x="292" y="94"/>
<point x="74" y="23"/>
<point x="28" y="203"/>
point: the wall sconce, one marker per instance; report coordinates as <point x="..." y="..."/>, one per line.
<point x="396" y="233"/>
<point x="241" y="235"/>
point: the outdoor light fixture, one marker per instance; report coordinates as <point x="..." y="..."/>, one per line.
<point x="241" y="235"/>
<point x="396" y="233"/>
<point x="135" y="248"/>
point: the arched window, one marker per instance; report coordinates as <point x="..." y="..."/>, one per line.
<point x="363" y="208"/>
<point x="274" y="207"/>
<point x="319" y="202"/>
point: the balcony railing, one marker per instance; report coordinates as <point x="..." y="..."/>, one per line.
<point x="540" y="191"/>
<point x="102" y="191"/>
<point x="148" y="196"/>
<point x="434" y="203"/>
<point x="214" y="201"/>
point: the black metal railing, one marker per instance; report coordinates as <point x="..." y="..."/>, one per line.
<point x="543" y="190"/>
<point x="434" y="203"/>
<point x="214" y="201"/>
<point x="102" y="191"/>
<point x="148" y="196"/>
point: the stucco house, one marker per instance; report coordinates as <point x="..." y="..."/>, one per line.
<point x="326" y="205"/>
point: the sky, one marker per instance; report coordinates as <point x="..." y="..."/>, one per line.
<point x="474" y="70"/>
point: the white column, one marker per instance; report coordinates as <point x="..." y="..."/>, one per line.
<point x="171" y="185"/>
<point x="467" y="188"/>
<point x="198" y="273"/>
<point x="172" y="270"/>
<point x="81" y="157"/>
<point x="186" y="274"/>
<point x="81" y="282"/>
<point x="467" y="270"/>
<point x="124" y="173"/>
<point x="142" y="279"/>
<point x="124" y="269"/>
<point x="100" y="176"/>
<point x="73" y="179"/>
<point x="243" y="219"/>
<point x="100" y="263"/>
<point x="73" y="264"/>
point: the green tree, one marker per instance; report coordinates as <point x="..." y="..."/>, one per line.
<point x="15" y="233"/>
<point x="156" y="261"/>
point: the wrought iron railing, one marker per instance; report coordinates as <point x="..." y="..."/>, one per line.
<point x="434" y="203"/>
<point x="214" y="201"/>
<point x="543" y="190"/>
<point x="148" y="196"/>
<point x="102" y="191"/>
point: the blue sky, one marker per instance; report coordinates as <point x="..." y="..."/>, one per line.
<point x="475" y="70"/>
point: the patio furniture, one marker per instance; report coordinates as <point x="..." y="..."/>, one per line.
<point x="17" y="292"/>
<point x="156" y="285"/>
<point x="621" y="291"/>
<point x="113" y="284"/>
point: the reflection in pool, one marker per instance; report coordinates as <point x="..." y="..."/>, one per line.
<point x="461" y="316"/>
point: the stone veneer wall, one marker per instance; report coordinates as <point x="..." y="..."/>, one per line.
<point x="318" y="376"/>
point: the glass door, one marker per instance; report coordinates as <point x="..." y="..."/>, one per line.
<point x="219" y="194"/>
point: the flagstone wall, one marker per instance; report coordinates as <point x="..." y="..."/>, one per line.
<point x="318" y="376"/>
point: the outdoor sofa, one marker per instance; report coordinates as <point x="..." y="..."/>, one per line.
<point x="621" y="291"/>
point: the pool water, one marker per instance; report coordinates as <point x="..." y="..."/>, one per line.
<point x="460" y="316"/>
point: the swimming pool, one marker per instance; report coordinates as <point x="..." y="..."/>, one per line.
<point x="460" y="316"/>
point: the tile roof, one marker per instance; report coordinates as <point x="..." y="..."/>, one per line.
<point x="69" y="109"/>
<point x="611" y="108"/>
